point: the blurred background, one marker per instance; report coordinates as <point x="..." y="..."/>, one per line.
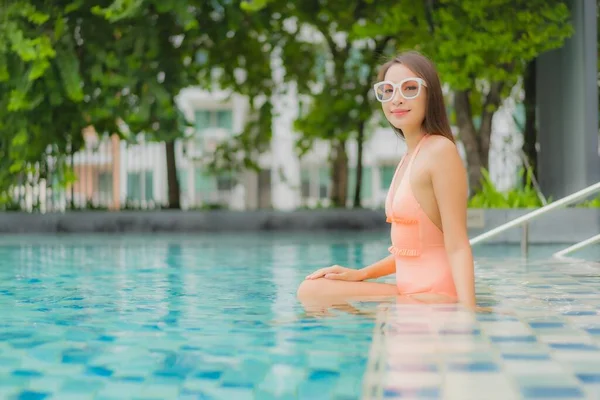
<point x="222" y="104"/>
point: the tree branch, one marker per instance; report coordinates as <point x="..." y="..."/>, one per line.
<point x="491" y="104"/>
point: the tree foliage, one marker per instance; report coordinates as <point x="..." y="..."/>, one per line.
<point x="57" y="76"/>
<point x="481" y="50"/>
<point x="70" y="64"/>
<point x="347" y="41"/>
<point x="118" y="66"/>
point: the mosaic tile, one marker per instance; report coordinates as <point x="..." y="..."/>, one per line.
<point x="432" y="392"/>
<point x="152" y="322"/>
<point x="541" y="348"/>
<point x="473" y="386"/>
<point x="566" y="392"/>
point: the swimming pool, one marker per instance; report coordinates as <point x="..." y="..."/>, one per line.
<point x="148" y="317"/>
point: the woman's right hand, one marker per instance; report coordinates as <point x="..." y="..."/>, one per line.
<point x="338" y="272"/>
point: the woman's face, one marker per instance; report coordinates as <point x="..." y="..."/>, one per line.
<point x="402" y="113"/>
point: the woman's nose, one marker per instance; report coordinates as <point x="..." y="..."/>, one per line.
<point x="397" y="99"/>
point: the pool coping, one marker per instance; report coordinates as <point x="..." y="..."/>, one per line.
<point x="562" y="226"/>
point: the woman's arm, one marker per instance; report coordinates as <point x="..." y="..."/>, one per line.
<point x="383" y="267"/>
<point x="449" y="180"/>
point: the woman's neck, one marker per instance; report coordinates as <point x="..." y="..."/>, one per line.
<point x="412" y="139"/>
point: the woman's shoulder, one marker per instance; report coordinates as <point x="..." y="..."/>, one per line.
<point x="443" y="152"/>
<point x="440" y="145"/>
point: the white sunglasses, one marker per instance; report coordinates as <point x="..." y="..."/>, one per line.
<point x="409" y="89"/>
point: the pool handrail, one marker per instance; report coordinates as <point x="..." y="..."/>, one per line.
<point x="525" y="219"/>
<point x="578" y="246"/>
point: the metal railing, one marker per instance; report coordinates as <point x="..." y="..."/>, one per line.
<point x="524" y="220"/>
<point x="578" y="246"/>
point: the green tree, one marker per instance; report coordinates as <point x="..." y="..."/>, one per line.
<point x="158" y="42"/>
<point x="351" y="40"/>
<point x="117" y="66"/>
<point x="58" y="75"/>
<point x="177" y="44"/>
<point x="481" y="49"/>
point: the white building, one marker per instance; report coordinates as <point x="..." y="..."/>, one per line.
<point x="115" y="174"/>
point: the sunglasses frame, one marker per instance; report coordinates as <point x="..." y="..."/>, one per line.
<point x="398" y="85"/>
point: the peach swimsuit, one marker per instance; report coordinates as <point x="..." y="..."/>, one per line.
<point x="422" y="265"/>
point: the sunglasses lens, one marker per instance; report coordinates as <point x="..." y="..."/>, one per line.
<point x="384" y="92"/>
<point x="410" y="89"/>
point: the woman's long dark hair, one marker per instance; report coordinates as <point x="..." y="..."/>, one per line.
<point x="436" y="118"/>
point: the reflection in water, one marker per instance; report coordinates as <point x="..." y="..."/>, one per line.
<point x="222" y="309"/>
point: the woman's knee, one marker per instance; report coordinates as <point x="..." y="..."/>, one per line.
<point x="310" y="288"/>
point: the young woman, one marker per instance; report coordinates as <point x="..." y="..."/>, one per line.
<point x="426" y="203"/>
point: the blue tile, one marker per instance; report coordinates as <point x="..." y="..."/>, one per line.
<point x="582" y="313"/>
<point x="495" y="317"/>
<point x="322" y="374"/>
<point x="513" y="339"/>
<point x="194" y="394"/>
<point x="178" y="373"/>
<point x="414" y="367"/>
<point x="27" y="373"/>
<point x="551" y="392"/>
<point x="474" y="367"/>
<point x="593" y="331"/>
<point x="212" y="375"/>
<point x="574" y="346"/>
<point x="589" y="378"/>
<point x="130" y="378"/>
<point x="426" y="392"/>
<point x="99" y="371"/>
<point x="187" y="347"/>
<point x="547" y="325"/>
<point x="559" y="299"/>
<point x="237" y="385"/>
<point x="76" y="356"/>
<point x="31" y="395"/>
<point x="525" y="356"/>
<point x="27" y="344"/>
<point x="8" y="336"/>
<point x="470" y="332"/>
<point x="106" y="338"/>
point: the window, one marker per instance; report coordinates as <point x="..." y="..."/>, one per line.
<point x="204" y="183"/>
<point x="210" y="119"/>
<point x="149" y="186"/>
<point x="225" y="181"/>
<point x="305" y="183"/>
<point x="324" y="180"/>
<point x="366" y="185"/>
<point x="386" y="174"/>
<point x="140" y="186"/>
<point x="134" y="186"/>
<point x="105" y="183"/>
<point x="182" y="178"/>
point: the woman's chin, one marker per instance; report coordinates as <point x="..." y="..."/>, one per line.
<point x="402" y="125"/>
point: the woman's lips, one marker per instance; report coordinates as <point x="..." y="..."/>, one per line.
<point x="400" y="113"/>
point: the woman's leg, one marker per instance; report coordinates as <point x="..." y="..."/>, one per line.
<point x="319" y="295"/>
<point x="329" y="288"/>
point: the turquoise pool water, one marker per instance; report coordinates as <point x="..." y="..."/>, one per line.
<point x="215" y="317"/>
<point x="175" y="317"/>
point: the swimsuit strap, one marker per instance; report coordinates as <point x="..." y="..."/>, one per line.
<point x="414" y="155"/>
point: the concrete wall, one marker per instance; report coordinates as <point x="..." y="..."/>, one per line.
<point x="563" y="226"/>
<point x="567" y="96"/>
